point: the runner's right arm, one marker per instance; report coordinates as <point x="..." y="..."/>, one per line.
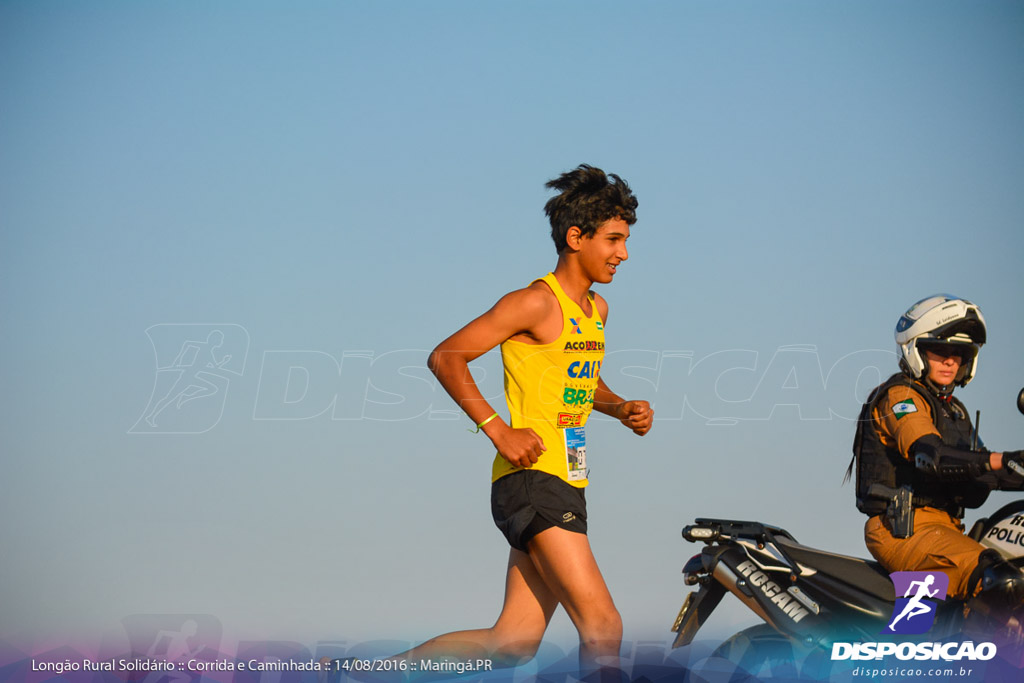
<point x="521" y="312"/>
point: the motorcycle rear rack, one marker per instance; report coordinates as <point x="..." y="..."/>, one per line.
<point x="709" y="530"/>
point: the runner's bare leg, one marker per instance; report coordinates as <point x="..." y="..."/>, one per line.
<point x="566" y="563"/>
<point x="559" y="569"/>
<point x="517" y="633"/>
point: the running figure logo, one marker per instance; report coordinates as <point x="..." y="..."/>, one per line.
<point x="915" y="611"/>
<point x="194" y="365"/>
<point x="172" y="639"/>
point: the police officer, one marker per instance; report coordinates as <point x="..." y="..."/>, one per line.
<point x="920" y="464"/>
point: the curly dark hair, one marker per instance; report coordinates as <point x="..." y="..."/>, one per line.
<point x="586" y="199"/>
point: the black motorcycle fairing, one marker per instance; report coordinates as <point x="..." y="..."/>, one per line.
<point x="866" y="575"/>
<point x="756" y="578"/>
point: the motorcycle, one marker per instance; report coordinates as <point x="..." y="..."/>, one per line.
<point x="810" y="599"/>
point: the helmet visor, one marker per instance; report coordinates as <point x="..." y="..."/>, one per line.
<point x="965" y="351"/>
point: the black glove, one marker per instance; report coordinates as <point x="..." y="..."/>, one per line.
<point x="1013" y="461"/>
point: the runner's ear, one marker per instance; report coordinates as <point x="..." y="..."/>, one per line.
<point x="573" y="236"/>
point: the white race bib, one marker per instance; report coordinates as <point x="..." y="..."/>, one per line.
<point x="576" y="453"/>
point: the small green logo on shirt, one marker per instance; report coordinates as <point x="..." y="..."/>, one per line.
<point x="904" y="408"/>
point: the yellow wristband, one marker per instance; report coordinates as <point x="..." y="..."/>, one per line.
<point x="481" y="425"/>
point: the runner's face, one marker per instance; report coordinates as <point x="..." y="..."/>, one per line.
<point x="602" y="252"/>
<point x="942" y="368"/>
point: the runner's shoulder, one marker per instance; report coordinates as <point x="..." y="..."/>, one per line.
<point x="530" y="304"/>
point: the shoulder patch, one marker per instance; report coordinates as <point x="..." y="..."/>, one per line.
<point x="904" y="408"/>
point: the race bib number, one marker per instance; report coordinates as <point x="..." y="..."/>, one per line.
<point x="576" y="453"/>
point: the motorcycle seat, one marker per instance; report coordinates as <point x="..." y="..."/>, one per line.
<point x="867" y="575"/>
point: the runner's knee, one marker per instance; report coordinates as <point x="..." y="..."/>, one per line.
<point x="517" y="640"/>
<point x="517" y="651"/>
<point x="602" y="627"/>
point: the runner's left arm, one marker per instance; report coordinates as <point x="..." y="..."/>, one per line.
<point x="637" y="415"/>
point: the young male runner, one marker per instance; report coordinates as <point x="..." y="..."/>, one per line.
<point x="552" y="342"/>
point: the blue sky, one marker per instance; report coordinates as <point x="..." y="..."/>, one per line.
<point x="345" y="183"/>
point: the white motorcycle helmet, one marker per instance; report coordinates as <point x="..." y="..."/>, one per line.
<point x="941" y="320"/>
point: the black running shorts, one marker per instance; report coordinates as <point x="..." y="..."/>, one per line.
<point x="526" y="503"/>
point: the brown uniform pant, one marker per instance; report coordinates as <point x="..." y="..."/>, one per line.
<point x="938" y="543"/>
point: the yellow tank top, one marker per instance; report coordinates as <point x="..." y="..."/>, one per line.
<point x="550" y="388"/>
